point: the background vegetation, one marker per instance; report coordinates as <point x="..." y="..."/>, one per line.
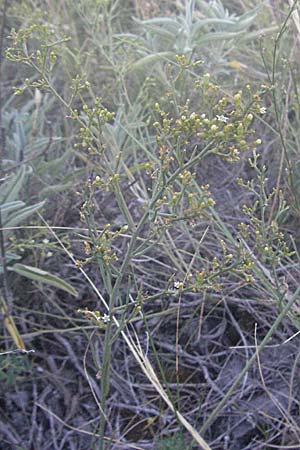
<point x="149" y="224"/>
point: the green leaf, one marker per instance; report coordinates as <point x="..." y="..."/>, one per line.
<point x="11" y="206"/>
<point x="56" y="188"/>
<point x="11" y="256"/>
<point x="53" y="166"/>
<point x="11" y="188"/>
<point x="42" y="276"/>
<point x="219" y="36"/>
<point x="150" y="60"/>
<point x="248" y="17"/>
<point x="17" y="217"/>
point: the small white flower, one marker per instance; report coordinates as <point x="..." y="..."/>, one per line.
<point x="178" y="285"/>
<point x="45" y="241"/>
<point x="263" y="110"/>
<point x="222" y="118"/>
<point x="49" y="254"/>
<point x="106" y="318"/>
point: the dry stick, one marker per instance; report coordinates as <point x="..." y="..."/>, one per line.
<point x="137" y="352"/>
<point x="251" y="361"/>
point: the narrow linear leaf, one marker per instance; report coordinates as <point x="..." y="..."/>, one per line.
<point x="11" y="188"/>
<point x="11" y="206"/>
<point x="17" y="217"/>
<point x="160" y="21"/>
<point x="42" y="276"/>
<point x="52" y="190"/>
<point x="150" y="60"/>
<point x="11" y="257"/>
<point x="54" y="165"/>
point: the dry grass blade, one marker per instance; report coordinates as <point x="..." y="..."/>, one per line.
<point x="10" y="325"/>
<point x="149" y="372"/>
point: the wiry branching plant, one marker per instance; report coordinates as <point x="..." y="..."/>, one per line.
<point x="145" y="155"/>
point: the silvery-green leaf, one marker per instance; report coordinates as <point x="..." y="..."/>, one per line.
<point x="42" y="276"/>
<point x="52" y="190"/>
<point x="150" y="60"/>
<point x="11" y="206"/>
<point x="18" y="217"/>
<point x="11" y="188"/>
